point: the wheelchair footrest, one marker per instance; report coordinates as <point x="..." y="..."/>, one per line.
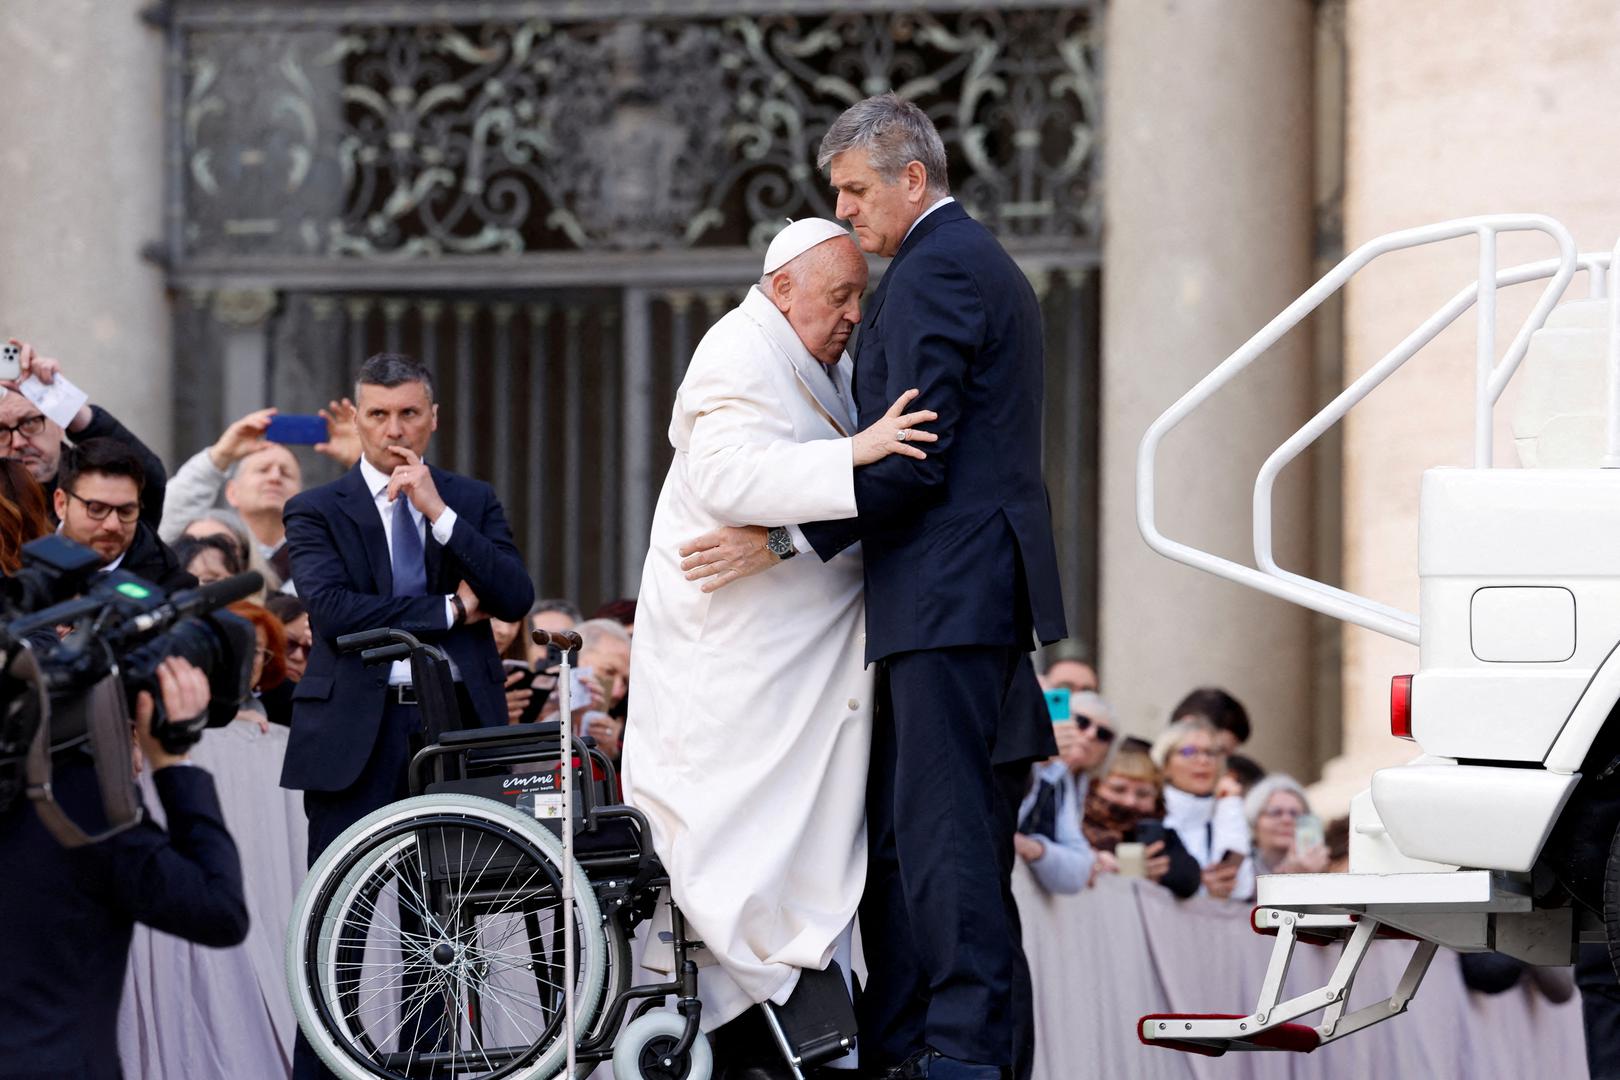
<point x="1213" y="1034"/>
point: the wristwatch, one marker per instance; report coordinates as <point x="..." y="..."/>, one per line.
<point x="461" y="609"/>
<point x="780" y="543"/>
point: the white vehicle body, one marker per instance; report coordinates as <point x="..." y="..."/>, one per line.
<point x="1517" y="629"/>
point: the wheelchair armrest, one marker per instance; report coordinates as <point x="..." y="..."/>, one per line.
<point x="502" y="736"/>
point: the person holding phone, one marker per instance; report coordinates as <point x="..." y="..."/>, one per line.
<point x="1049" y="839"/>
<point x="1287" y="836"/>
<point x="252" y="467"/>
<point x="1126" y="806"/>
<point x="1213" y="830"/>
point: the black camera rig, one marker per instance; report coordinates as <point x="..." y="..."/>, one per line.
<point x="77" y="645"/>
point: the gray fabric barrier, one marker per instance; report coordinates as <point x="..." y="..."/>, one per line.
<point x="1099" y="960"/>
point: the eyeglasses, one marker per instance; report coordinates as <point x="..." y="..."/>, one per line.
<point x="28" y="425"/>
<point x="1282" y="812"/>
<point x="1187" y="753"/>
<point x="98" y="511"/>
<point x="265" y="653"/>
<point x="297" y="648"/>
<point x="1101" y="733"/>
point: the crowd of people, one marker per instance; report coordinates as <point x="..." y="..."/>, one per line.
<point x="1185" y="810"/>
<point x="1189" y="811"/>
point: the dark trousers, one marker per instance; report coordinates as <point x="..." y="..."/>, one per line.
<point x="1600" y="1011"/>
<point x="381" y="782"/>
<point x="938" y="923"/>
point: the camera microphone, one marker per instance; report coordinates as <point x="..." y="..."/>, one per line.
<point x="200" y="601"/>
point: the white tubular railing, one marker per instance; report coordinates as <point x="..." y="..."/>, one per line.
<point x="1490" y="378"/>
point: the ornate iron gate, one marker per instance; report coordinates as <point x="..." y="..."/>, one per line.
<point x="550" y="201"/>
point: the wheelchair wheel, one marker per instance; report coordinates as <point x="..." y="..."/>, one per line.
<point x="643" y="1051"/>
<point x="428" y="941"/>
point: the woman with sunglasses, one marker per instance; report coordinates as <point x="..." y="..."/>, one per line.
<point x="1049" y="837"/>
<point x="1213" y="830"/>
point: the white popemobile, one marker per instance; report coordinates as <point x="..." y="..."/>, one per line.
<point x="1501" y="835"/>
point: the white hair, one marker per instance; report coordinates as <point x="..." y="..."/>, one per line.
<point x="1176" y="734"/>
<point x="1254" y="804"/>
<point x="594" y="632"/>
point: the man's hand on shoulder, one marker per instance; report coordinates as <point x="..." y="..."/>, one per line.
<point x="415" y="481"/>
<point x="727" y="554"/>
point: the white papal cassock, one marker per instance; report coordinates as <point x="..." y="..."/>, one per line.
<point x="750" y="717"/>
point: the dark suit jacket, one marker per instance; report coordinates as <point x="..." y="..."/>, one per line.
<point x="958" y="548"/>
<point x="340" y="561"/>
<point x="69" y="914"/>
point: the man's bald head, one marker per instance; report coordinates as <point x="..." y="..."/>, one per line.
<point x="819" y="291"/>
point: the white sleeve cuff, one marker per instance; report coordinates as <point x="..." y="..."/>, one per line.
<point x="449" y="612"/>
<point x="800" y="544"/>
<point x="444" y="527"/>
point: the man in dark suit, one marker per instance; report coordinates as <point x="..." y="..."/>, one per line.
<point x="69" y="913"/>
<point x="393" y="542"/>
<point x="397" y="543"/>
<point x="961" y="577"/>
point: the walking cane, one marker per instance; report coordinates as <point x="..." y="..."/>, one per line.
<point x="568" y="642"/>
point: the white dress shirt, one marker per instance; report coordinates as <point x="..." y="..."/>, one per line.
<point x="936" y="205"/>
<point x="377" y="483"/>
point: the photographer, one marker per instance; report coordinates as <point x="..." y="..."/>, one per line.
<point x="36" y="440"/>
<point x="69" y="912"/>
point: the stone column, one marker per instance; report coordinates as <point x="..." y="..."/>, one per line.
<point x="81" y="191"/>
<point x="1209" y="234"/>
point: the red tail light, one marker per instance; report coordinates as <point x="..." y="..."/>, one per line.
<point x="1400" y="706"/>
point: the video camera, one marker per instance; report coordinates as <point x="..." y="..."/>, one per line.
<point x="76" y="647"/>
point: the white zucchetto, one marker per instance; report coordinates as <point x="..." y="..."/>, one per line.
<point x="799" y="237"/>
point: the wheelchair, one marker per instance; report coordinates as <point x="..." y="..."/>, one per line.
<point x="430" y="939"/>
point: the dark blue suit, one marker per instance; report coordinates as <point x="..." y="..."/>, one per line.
<point x="69" y="914"/>
<point x="961" y="576"/>
<point x="341" y="563"/>
<point x="348" y="746"/>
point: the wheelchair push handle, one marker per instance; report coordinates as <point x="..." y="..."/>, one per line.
<point x="371" y="639"/>
<point x="566" y="640"/>
<point x="385" y="654"/>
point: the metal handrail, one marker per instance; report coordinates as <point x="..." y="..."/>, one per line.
<point x="1491" y="377"/>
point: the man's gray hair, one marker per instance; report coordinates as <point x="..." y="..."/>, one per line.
<point x="593" y="632"/>
<point x="894" y="132"/>
<point x="393" y="369"/>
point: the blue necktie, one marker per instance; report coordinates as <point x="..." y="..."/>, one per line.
<point x="410" y="566"/>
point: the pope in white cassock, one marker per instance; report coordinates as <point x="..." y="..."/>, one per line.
<point x="748" y="732"/>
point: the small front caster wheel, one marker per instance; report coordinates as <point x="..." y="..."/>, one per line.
<point x="645" y="1049"/>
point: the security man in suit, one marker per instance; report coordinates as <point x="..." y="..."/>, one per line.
<point x="69" y="913"/>
<point x="961" y="578"/>
<point x="393" y="542"/>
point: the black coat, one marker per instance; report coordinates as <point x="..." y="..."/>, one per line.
<point x="958" y="548"/>
<point x="69" y="914"/>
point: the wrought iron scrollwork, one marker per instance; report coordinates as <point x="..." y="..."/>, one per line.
<point x="400" y="141"/>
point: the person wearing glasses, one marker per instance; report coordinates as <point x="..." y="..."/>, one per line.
<point x="98" y="504"/>
<point x="1049" y="839"/>
<point x="1213" y="830"/>
<point x="1274" y="807"/>
<point x="39" y="442"/>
